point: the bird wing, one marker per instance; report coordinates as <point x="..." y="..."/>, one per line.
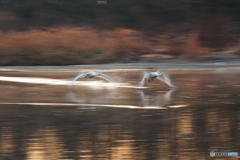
<point x="166" y="79"/>
<point x="160" y="71"/>
<point x="141" y="84"/>
<point x="77" y="77"/>
<point x="104" y="76"/>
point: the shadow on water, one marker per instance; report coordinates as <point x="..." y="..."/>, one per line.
<point x="202" y="115"/>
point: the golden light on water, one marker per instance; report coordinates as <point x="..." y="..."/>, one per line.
<point x="45" y="146"/>
<point x="6" y="140"/>
<point x="35" y="150"/>
<point x="124" y="150"/>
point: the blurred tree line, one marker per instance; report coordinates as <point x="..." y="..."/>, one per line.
<point x="181" y="27"/>
<point x="135" y="14"/>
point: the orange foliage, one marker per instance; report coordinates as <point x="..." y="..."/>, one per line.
<point x="82" y="46"/>
<point x="192" y="46"/>
<point x="77" y="42"/>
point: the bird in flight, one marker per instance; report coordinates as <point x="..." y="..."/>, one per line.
<point x="159" y="75"/>
<point x="91" y="75"/>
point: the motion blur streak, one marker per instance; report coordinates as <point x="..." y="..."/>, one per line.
<point x="98" y="105"/>
<point x="49" y="81"/>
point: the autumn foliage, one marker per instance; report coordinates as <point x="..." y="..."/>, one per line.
<point x="69" y="45"/>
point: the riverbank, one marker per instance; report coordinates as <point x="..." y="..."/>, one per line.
<point x="166" y="65"/>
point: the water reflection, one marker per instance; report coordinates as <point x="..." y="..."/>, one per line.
<point x="120" y="131"/>
<point x="156" y="99"/>
<point x="132" y="99"/>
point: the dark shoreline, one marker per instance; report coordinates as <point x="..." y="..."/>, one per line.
<point x="166" y="65"/>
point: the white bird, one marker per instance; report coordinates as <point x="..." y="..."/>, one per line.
<point x="152" y="75"/>
<point x="91" y="75"/>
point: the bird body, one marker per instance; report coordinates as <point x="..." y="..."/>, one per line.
<point x="152" y="75"/>
<point x="91" y="75"/>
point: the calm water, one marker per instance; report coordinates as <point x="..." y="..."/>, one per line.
<point x="42" y="119"/>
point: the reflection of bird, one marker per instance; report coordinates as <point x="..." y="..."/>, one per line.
<point x="92" y="98"/>
<point x="151" y="75"/>
<point x="92" y="75"/>
<point x="74" y="99"/>
<point x="156" y="100"/>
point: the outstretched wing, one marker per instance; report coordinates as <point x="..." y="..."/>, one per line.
<point x="76" y="78"/>
<point x="166" y="79"/>
<point x="146" y="73"/>
<point x="160" y="71"/>
<point x="104" y="76"/>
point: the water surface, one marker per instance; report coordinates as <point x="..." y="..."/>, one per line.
<point x="44" y="119"/>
